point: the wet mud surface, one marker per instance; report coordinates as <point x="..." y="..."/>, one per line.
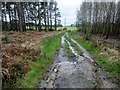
<point x="78" y="72"/>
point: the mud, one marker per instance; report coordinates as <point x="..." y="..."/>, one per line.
<point x="79" y="72"/>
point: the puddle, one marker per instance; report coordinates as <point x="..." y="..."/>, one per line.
<point x="92" y="71"/>
<point x="85" y="53"/>
<point x="80" y="58"/>
<point x="62" y="40"/>
<point x="73" y="74"/>
<point x="76" y="73"/>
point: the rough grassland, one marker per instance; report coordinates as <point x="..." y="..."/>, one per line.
<point x="39" y="68"/>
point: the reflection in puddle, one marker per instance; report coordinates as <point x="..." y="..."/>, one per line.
<point x="85" y="53"/>
<point x="63" y="40"/>
<point x="67" y="63"/>
<point x="80" y="58"/>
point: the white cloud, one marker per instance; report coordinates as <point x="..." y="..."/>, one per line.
<point x="68" y="10"/>
<point x="69" y="20"/>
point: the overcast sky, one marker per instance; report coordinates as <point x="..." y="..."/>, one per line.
<point x="68" y="10"/>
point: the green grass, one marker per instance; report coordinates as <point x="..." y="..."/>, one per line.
<point x="68" y="51"/>
<point x="50" y="45"/>
<point x="71" y="28"/>
<point x="75" y="46"/>
<point x="112" y="68"/>
<point x="37" y="71"/>
<point x="39" y="68"/>
<point x="58" y="28"/>
<point x="68" y="28"/>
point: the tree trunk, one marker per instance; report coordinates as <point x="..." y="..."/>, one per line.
<point x="15" y="15"/>
<point x="21" y="17"/>
<point x="45" y="17"/>
<point x="9" y="15"/>
<point x="39" y="15"/>
<point x="48" y="15"/>
<point x="55" y="16"/>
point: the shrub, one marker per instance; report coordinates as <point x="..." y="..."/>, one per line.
<point x="6" y="38"/>
<point x="64" y="28"/>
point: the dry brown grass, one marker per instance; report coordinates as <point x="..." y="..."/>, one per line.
<point x="111" y="53"/>
<point x="22" y="50"/>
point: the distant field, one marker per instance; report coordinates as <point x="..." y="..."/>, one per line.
<point x="68" y="28"/>
<point x="58" y="28"/>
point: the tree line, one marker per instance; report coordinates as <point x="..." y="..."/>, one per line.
<point x="22" y="16"/>
<point x="101" y="18"/>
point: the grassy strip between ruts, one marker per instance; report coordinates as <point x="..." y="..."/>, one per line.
<point x="74" y="45"/>
<point x="39" y="68"/>
<point x="113" y="68"/>
<point x="68" y="51"/>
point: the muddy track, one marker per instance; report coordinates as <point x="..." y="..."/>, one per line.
<point x="78" y="72"/>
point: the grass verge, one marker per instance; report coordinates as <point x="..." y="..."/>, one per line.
<point x="39" y="68"/>
<point x="113" y="68"/>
